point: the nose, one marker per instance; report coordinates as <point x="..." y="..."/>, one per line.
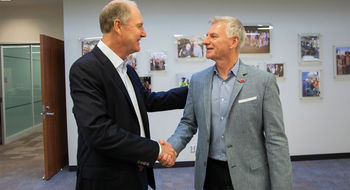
<point x="205" y="41"/>
<point x="143" y="33"/>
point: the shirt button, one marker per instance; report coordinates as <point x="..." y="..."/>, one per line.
<point x="222" y="118"/>
<point x="222" y="99"/>
<point x="222" y="136"/>
<point x="223" y="82"/>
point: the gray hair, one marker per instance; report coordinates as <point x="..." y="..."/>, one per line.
<point x="117" y="9"/>
<point x="234" y="27"/>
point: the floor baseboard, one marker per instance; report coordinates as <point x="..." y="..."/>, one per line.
<point x="320" y="156"/>
<point x="293" y="158"/>
<point x="177" y="164"/>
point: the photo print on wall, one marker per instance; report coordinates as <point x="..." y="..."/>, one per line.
<point x="183" y="79"/>
<point x="146" y="81"/>
<point x="189" y="47"/>
<point x="257" y="39"/>
<point x="87" y="44"/>
<point x="309" y="49"/>
<point x="310" y="84"/>
<point x="157" y="60"/>
<point x="341" y="61"/>
<point x="132" y="60"/>
<point x="277" y="69"/>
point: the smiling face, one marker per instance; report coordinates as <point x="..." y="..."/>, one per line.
<point x="132" y="31"/>
<point x="188" y="46"/>
<point x="218" y="45"/>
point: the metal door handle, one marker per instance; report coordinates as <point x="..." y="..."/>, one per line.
<point x="45" y="113"/>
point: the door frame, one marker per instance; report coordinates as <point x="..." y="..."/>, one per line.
<point x="2" y="113"/>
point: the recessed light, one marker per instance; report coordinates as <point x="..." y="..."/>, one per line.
<point x="5" y="0"/>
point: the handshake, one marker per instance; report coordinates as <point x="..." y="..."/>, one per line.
<point x="168" y="155"/>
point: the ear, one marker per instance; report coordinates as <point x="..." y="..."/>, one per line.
<point x="235" y="42"/>
<point x="117" y="25"/>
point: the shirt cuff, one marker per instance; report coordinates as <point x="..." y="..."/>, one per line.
<point x="160" y="149"/>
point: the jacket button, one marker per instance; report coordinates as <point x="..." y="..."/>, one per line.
<point x="229" y="146"/>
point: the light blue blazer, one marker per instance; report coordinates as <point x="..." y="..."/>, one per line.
<point x="256" y="143"/>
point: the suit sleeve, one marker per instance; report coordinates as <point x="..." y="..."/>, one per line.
<point x="164" y="100"/>
<point x="276" y="140"/>
<point x="187" y="126"/>
<point x="96" y="126"/>
<point x="172" y="99"/>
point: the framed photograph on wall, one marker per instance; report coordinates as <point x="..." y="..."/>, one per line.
<point x="132" y="60"/>
<point x="146" y="81"/>
<point x="87" y="44"/>
<point x="189" y="47"/>
<point x="257" y="39"/>
<point x="278" y="69"/>
<point x="341" y="61"/>
<point x="309" y="48"/>
<point x="310" y="84"/>
<point x="183" y="79"/>
<point x="157" y="60"/>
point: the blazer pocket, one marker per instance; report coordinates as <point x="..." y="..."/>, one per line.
<point x="247" y="99"/>
<point x="257" y="162"/>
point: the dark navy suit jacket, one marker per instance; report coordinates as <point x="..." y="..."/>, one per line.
<point x="109" y="144"/>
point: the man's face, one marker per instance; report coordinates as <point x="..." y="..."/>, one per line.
<point x="188" y="47"/>
<point x="133" y="31"/>
<point x="217" y="43"/>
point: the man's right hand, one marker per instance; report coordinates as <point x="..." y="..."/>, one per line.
<point x="168" y="155"/>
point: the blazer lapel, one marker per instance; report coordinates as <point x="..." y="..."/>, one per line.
<point x="112" y="72"/>
<point x="207" y="85"/>
<point x="118" y="82"/>
<point x="240" y="80"/>
<point x="140" y="100"/>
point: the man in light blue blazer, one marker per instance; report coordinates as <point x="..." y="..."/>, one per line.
<point x="236" y="109"/>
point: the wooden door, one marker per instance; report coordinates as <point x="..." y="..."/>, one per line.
<point x="54" y="105"/>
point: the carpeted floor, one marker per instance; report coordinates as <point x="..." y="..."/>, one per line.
<point x="22" y="168"/>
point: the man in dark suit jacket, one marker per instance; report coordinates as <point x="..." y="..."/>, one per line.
<point x="110" y="108"/>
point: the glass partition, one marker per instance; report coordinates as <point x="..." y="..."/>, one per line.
<point x="36" y="84"/>
<point x="18" y="89"/>
<point x="22" y="87"/>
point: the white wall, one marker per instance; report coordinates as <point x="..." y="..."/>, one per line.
<point x="313" y="127"/>
<point x="25" y="23"/>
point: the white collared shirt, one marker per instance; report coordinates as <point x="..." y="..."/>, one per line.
<point x="120" y="65"/>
